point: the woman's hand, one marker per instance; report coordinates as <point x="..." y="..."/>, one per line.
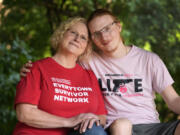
<point x="87" y="121"/>
<point x="25" y="69"/>
<point x="83" y="119"/>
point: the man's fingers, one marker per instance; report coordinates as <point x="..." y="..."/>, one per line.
<point x="29" y="61"/>
<point x="25" y="70"/>
<point x="28" y="65"/>
<point x="22" y="74"/>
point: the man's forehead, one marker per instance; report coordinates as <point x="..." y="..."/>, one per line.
<point x="99" y="22"/>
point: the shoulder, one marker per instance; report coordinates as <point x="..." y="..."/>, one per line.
<point x="43" y="61"/>
<point x="82" y="68"/>
<point x="86" y="64"/>
<point x="38" y="64"/>
<point x="145" y="53"/>
<point x="86" y="70"/>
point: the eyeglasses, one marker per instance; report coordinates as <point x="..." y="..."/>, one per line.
<point x="105" y="29"/>
<point x="83" y="38"/>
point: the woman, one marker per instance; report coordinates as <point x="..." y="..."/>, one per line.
<point x="58" y="94"/>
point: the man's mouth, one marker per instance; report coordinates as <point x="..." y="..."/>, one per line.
<point x="106" y="43"/>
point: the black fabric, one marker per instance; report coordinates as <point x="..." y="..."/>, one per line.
<point x="155" y="128"/>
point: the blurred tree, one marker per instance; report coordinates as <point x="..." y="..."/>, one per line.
<point x="12" y="55"/>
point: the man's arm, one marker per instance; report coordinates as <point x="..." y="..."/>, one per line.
<point x="172" y="99"/>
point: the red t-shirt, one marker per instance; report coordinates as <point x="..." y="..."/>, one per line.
<point x="59" y="91"/>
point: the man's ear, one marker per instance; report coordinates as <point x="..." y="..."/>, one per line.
<point x="119" y="26"/>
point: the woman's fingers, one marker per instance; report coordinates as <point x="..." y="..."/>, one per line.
<point x="91" y="122"/>
<point x="88" y="123"/>
<point x="84" y="126"/>
<point x="98" y="122"/>
<point x="84" y="121"/>
<point x="77" y="127"/>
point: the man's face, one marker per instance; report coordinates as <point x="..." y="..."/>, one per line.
<point x="105" y="33"/>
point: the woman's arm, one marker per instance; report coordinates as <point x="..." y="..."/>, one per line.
<point x="32" y="116"/>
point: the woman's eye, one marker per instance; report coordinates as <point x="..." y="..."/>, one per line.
<point x="73" y="32"/>
<point x="84" y="38"/>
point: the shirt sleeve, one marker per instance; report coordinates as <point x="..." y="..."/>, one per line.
<point x="161" y="77"/>
<point x="28" y="89"/>
<point x="101" y="106"/>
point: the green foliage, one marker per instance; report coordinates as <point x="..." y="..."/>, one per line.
<point x="26" y="20"/>
<point x="12" y="56"/>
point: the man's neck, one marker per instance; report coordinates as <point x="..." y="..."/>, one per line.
<point x="119" y="52"/>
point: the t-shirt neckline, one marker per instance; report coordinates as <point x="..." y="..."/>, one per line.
<point x="61" y="67"/>
<point x="122" y="58"/>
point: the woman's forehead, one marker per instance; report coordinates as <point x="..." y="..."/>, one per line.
<point x="78" y="25"/>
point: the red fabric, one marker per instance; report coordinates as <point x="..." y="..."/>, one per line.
<point x="59" y="91"/>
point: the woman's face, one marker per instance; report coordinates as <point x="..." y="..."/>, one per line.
<point x="75" y="39"/>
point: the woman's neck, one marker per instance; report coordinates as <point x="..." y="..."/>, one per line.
<point x="67" y="61"/>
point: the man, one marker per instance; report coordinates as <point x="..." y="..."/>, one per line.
<point x="129" y="77"/>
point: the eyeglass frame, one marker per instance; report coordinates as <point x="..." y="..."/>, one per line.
<point x="77" y="35"/>
<point x="98" y="33"/>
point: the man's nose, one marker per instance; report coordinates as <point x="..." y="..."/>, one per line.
<point x="104" y="35"/>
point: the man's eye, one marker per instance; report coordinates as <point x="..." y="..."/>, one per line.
<point x="107" y="29"/>
<point x="97" y="34"/>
